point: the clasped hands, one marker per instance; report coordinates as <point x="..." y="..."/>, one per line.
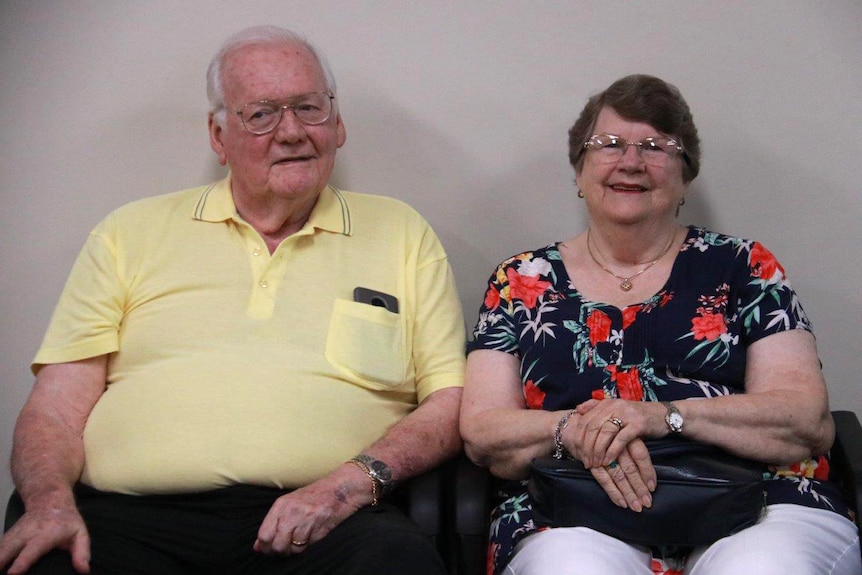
<point x="606" y="437"/>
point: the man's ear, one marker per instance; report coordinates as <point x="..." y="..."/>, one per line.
<point x="216" y="130"/>
<point x="341" y="131"/>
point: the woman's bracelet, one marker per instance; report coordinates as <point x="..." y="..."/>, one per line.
<point x="559" y="448"/>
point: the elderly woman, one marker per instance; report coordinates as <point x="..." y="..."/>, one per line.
<point x="592" y="345"/>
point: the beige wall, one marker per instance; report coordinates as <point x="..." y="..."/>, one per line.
<point x="459" y="108"/>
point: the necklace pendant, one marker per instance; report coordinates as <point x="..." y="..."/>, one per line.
<point x="626" y="285"/>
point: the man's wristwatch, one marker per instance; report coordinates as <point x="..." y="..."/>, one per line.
<point x="378" y="471"/>
<point x="673" y="417"/>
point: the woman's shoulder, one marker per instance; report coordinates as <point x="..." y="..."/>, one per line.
<point x="750" y="257"/>
<point x="700" y="238"/>
<point x="710" y="244"/>
<point x="547" y="253"/>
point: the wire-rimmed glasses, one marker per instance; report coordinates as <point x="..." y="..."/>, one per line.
<point x="655" y="151"/>
<point x="310" y="109"/>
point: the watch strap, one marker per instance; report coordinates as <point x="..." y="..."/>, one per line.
<point x="375" y="484"/>
<point x="673" y="417"/>
<point x="379" y="471"/>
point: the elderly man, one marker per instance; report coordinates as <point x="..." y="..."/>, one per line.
<point x="236" y="375"/>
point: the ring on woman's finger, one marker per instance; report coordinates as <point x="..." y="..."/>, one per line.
<point x="299" y="543"/>
<point x="617" y="421"/>
<point x="612" y="465"/>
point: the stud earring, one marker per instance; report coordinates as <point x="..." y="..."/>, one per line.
<point x="580" y="193"/>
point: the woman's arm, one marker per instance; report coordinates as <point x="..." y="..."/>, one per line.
<point x="783" y="417"/>
<point x="499" y="431"/>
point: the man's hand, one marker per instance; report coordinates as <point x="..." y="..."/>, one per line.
<point x="420" y="441"/>
<point x="307" y="515"/>
<point x="40" y="531"/>
<point x="47" y="458"/>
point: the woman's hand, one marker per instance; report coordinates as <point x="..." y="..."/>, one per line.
<point x="607" y="437"/>
<point x="603" y="429"/>
<point x="630" y="479"/>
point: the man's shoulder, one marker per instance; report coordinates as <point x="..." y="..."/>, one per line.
<point x="185" y="196"/>
<point x="167" y="201"/>
<point x="362" y="198"/>
<point x="380" y="206"/>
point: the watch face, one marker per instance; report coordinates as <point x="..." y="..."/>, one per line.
<point x="381" y="470"/>
<point x="675" y="421"/>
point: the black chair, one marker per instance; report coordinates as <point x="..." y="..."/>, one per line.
<point x="474" y="492"/>
<point x="14" y="510"/>
<point x="424" y="499"/>
<point x="847" y="459"/>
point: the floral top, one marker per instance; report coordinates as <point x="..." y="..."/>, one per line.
<point x="688" y="340"/>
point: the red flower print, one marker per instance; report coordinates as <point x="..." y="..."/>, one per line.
<point x="709" y="326"/>
<point x="493" y="549"/>
<point x="525" y="288"/>
<point x="629" y="384"/>
<point x="535" y="397"/>
<point x="629" y="315"/>
<point x="762" y="263"/>
<point x="599" y="326"/>
<point x="658" y="568"/>
<point x="492" y="298"/>
<point x="821" y="472"/>
<point x="598" y="394"/>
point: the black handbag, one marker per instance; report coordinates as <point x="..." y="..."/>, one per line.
<point x="702" y="494"/>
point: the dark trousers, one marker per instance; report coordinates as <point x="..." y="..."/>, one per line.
<point x="212" y="534"/>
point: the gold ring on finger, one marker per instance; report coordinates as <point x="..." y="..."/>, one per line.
<point x="617" y="421"/>
<point x="299" y="543"/>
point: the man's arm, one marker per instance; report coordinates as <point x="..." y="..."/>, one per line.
<point x="47" y="458"/>
<point x="419" y="442"/>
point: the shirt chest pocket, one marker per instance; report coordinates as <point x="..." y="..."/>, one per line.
<point x="367" y="344"/>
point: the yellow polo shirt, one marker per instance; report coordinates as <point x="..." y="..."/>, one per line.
<point x="230" y="365"/>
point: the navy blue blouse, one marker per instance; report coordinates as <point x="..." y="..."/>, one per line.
<point x="688" y="340"/>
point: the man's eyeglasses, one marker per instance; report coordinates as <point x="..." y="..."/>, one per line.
<point x="310" y="109"/>
<point x="609" y="148"/>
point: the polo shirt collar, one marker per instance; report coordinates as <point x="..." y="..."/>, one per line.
<point x="331" y="212"/>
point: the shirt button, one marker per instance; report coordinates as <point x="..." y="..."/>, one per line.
<point x="256" y="252"/>
<point x="264" y="284"/>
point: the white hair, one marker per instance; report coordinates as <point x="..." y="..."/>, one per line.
<point x="256" y="35"/>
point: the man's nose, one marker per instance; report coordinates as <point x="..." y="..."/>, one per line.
<point x="289" y="127"/>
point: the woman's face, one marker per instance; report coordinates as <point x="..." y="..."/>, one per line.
<point x="631" y="189"/>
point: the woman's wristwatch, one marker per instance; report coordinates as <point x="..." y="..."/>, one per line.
<point x="673" y="417"/>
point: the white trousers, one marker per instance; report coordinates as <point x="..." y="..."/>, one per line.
<point x="788" y="539"/>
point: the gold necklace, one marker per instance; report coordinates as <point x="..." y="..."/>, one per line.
<point x="626" y="283"/>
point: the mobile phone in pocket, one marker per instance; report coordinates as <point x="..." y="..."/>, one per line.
<point x="376" y="298"/>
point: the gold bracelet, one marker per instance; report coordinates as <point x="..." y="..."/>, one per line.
<point x="361" y="465"/>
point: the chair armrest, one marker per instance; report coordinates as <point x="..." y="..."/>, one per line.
<point x="423" y="500"/>
<point x="472" y="499"/>
<point x="846" y="458"/>
<point x="14" y="511"/>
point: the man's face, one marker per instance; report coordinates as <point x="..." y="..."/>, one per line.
<point x="293" y="161"/>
